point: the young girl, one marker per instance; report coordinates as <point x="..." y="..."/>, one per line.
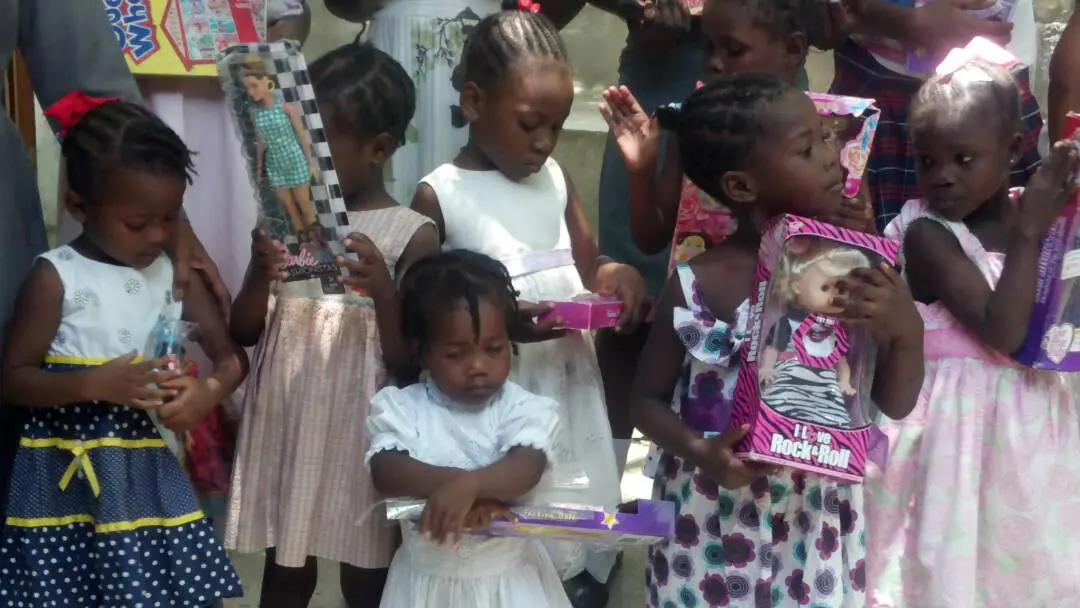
<point x="505" y="197"/>
<point x="980" y="491"/>
<point x="748" y="535"/>
<point x="100" y="511"/>
<point x="873" y="65"/>
<point x="467" y="440"/>
<point x="299" y="486"/>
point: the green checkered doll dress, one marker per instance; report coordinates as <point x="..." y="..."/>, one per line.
<point x="284" y="160"/>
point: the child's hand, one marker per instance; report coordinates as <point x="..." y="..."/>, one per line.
<point x="132" y="384"/>
<point x="854" y="214"/>
<point x="835" y="20"/>
<point x="447" y="508"/>
<point x="624" y="282"/>
<point x="368" y="272"/>
<point x="528" y="329"/>
<point x="1047" y="190"/>
<point x="191" y="406"/>
<point x="636" y="133"/>
<point x="722" y="466"/>
<point x="483" y="512"/>
<point x="662" y="25"/>
<point x="879" y="299"/>
<point x="268" y="256"/>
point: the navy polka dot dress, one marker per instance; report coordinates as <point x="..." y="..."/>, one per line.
<point x="100" y="512"/>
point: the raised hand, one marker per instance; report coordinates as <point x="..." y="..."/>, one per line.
<point x="268" y="255"/>
<point x="1053" y="183"/>
<point x="636" y="134"/>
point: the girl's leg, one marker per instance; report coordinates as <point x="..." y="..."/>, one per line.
<point x="362" y="587"/>
<point x="288" y="587"/>
<point x="285" y="195"/>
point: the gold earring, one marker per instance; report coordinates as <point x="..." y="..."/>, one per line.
<point x="270" y="86"/>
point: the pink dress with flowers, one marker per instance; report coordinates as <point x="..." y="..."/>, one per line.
<point x="791" y="539"/>
<point x="977" y="506"/>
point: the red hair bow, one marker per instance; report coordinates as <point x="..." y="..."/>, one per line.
<point x="73" y="107"/>
<point x="529" y="5"/>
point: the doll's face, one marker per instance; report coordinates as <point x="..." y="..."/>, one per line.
<point x="257" y="87"/>
<point x="814" y="291"/>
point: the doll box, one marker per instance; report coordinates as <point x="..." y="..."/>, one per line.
<point x="800" y="386"/>
<point x="1053" y="339"/>
<point x="920" y="61"/>
<point x="650" y="522"/>
<point x="587" y="311"/>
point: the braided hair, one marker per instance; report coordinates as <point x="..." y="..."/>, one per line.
<point x="783" y="18"/>
<point x="503" y="38"/>
<point x="436" y="283"/>
<point x="121" y="134"/>
<point x="973" y="84"/>
<point x="719" y="124"/>
<point x="369" y="93"/>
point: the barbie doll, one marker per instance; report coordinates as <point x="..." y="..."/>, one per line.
<point x="283" y="156"/>
<point x="804" y="371"/>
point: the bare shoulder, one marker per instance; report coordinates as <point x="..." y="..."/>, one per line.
<point x="725" y="277"/>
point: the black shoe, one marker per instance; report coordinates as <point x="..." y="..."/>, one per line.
<point x="585" y="591"/>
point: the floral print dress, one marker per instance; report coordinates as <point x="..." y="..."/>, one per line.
<point x="792" y="539"/>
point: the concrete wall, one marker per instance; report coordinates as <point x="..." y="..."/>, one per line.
<point x="594" y="41"/>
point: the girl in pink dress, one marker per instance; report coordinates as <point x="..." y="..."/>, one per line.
<point x="982" y="486"/>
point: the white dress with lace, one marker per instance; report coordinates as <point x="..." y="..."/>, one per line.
<point x="523" y="225"/>
<point x="475" y="572"/>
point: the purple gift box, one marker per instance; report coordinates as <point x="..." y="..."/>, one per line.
<point x="587" y="311"/>
<point x="652" y="521"/>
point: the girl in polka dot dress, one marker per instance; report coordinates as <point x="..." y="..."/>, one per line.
<point x="100" y="512"/>
<point x="747" y="535"/>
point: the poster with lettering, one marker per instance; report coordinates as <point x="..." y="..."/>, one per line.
<point x="183" y="37"/>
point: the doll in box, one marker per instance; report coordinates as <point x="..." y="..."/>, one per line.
<point x="804" y="371"/>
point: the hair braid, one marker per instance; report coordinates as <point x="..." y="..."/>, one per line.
<point x="505" y="37"/>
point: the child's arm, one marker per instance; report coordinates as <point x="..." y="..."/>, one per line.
<point x="291" y="27"/>
<point x="939" y="269"/>
<point x="197" y="397"/>
<point x="33" y="326"/>
<point x="425" y="202"/>
<point x="654" y="199"/>
<point x="927" y="25"/>
<point x="248" y="315"/>
<point x="659" y="369"/>
<point x="599" y="273"/>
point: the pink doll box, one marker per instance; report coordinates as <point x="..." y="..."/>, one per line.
<point x="799" y="387"/>
<point x="587" y="311"/>
<point x="1053" y="339"/>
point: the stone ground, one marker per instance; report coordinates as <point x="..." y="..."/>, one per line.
<point x="627" y="589"/>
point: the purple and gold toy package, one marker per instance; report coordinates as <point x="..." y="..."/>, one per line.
<point x="587" y="312"/>
<point x="801" y="386"/>
<point x="1053" y="339"/>
<point x="642" y="522"/>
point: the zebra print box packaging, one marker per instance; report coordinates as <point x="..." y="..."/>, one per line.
<point x="805" y="380"/>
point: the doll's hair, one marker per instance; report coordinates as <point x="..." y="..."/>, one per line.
<point x="803" y="253"/>
<point x="500" y="40"/>
<point x="253" y="67"/>
<point x="975" y="84"/>
<point x="434" y="285"/>
<point x="121" y="135"/>
<point x="719" y="124"/>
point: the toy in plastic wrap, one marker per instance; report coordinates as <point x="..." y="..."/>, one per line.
<point x="271" y="99"/>
<point x="851" y="123"/>
<point x="1053" y="339"/>
<point x="919" y="61"/>
<point x="167" y="340"/>
<point x="642" y="522"/>
<point x="800" y="387"/>
<point x="587" y="312"/>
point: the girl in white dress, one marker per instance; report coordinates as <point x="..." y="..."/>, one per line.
<point x="505" y="197"/>
<point x="465" y="439"/>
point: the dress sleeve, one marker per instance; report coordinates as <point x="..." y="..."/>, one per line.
<point x="69" y="46"/>
<point x="391" y="423"/>
<point x="528" y="421"/>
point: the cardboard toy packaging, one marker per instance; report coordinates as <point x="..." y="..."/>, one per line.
<point x="587" y="311"/>
<point x="1053" y="339"/>
<point x="703" y="223"/>
<point x="800" y="386"/>
<point x="642" y="522"/>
